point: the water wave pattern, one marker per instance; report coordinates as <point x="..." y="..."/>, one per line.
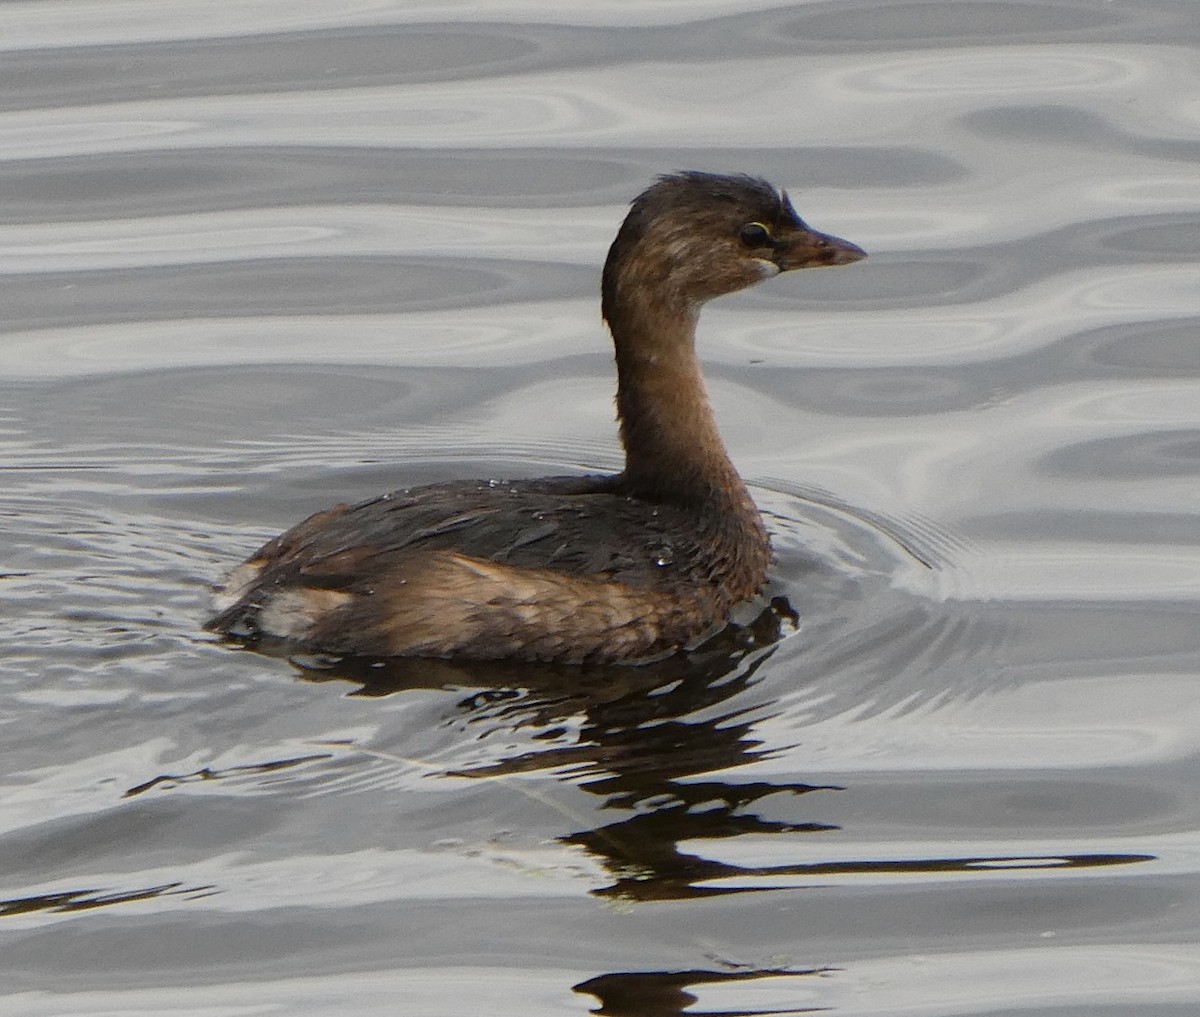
<point x="947" y="764"/>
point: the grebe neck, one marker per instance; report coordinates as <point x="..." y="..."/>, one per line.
<point x="673" y="451"/>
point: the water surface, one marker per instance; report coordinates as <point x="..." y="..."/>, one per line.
<point x="253" y="266"/>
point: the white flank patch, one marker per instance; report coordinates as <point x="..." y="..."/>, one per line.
<point x="289" y="614"/>
<point x="235" y="586"/>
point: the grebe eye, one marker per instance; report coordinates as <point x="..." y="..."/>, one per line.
<point x="755" y="234"/>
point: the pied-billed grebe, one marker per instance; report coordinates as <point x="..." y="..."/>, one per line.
<point x="566" y="569"/>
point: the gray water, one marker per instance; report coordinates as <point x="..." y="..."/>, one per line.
<point x="258" y="258"/>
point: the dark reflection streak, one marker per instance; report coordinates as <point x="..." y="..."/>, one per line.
<point x="693" y="877"/>
<point x="995" y="863"/>
<point x="659" y="871"/>
<point x="643" y="851"/>
<point x="170" y="780"/>
<point x="664" y="993"/>
<point x="86" y="900"/>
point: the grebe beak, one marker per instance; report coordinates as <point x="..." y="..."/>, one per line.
<point x="806" y="248"/>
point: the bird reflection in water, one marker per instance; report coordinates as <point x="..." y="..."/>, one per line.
<point x="667" y="993"/>
<point x="647" y="734"/>
<point x="648" y="737"/>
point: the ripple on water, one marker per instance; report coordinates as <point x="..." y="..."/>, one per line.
<point x="258" y="63"/>
<point x="313" y="286"/>
<point x="1015" y="69"/>
<point x="981" y="21"/>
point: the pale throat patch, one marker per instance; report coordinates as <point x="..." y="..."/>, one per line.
<point x="767" y="269"/>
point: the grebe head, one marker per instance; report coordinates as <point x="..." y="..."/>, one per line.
<point x="694" y="236"/>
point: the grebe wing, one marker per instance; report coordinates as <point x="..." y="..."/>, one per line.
<point x="573" y="525"/>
